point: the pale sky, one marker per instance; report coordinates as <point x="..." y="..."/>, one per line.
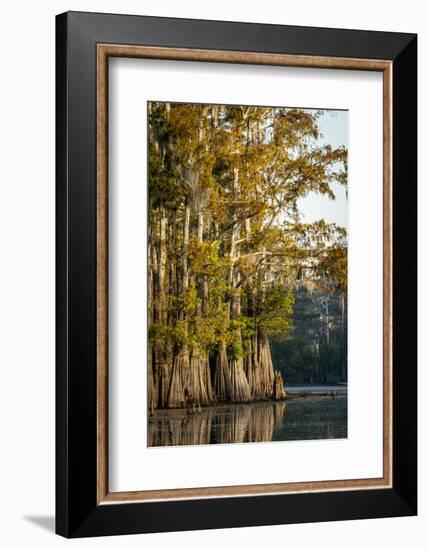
<point x="334" y="127"/>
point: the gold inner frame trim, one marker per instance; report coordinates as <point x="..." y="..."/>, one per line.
<point x="104" y="51"/>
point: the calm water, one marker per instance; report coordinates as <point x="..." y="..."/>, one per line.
<point x="298" y="419"/>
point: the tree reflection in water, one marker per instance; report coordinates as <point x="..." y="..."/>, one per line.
<point x="294" y="420"/>
<point x="223" y="424"/>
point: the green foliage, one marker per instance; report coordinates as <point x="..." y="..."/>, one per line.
<point x="158" y="332"/>
<point x="179" y="334"/>
<point x="295" y="358"/>
<point x="164" y="186"/>
<point x="234" y="349"/>
<point x="275" y="307"/>
<point x="330" y="360"/>
<point x="205" y="261"/>
<point x="185" y="302"/>
<point x="316" y="349"/>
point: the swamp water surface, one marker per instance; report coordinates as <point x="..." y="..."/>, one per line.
<point x="310" y="417"/>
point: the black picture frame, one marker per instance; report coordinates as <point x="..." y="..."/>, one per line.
<point x="77" y="511"/>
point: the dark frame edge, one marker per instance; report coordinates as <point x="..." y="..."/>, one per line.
<point x="404" y="172"/>
<point x="61" y="290"/>
<point x="192" y="515"/>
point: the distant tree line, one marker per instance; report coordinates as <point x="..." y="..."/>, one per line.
<point x="316" y="349"/>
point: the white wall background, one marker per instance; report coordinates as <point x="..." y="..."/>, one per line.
<point x="27" y="88"/>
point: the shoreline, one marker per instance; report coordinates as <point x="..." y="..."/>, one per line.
<point x="225" y="405"/>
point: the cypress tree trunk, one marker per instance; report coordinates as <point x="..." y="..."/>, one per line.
<point x="222" y="379"/>
<point x="278" y="387"/>
<point x="181" y="363"/>
<point x="265" y="366"/>
<point x="252" y="370"/>
<point x="241" y="392"/>
<point x="151" y="363"/>
<point x="162" y="352"/>
<point x="200" y="376"/>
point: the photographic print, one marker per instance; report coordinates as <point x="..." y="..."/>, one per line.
<point x="247" y="273"/>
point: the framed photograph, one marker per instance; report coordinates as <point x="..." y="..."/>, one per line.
<point x="236" y="274"/>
